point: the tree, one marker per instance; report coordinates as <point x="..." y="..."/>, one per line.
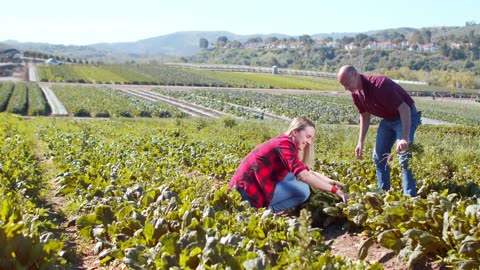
<point x="306" y="40"/>
<point x="221" y="41"/>
<point x="444" y="49"/>
<point x="327" y="39"/>
<point x="468" y="64"/>
<point x="345" y="40"/>
<point x="427" y="36"/>
<point x="362" y="40"/>
<point x="255" y="40"/>
<point x="235" y="44"/>
<point x="471" y="37"/>
<point x="415" y="37"/>
<point x="398" y="39"/>
<point x="203" y="43"/>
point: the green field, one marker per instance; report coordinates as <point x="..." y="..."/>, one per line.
<point x="145" y="186"/>
<point x="172" y="75"/>
<point x="154" y="196"/>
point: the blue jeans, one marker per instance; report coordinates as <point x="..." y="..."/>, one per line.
<point x="288" y="193"/>
<point x="388" y="133"/>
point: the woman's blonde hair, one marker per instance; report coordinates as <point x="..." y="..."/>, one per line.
<point x="307" y="155"/>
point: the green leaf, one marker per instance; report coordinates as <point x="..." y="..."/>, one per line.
<point x="470" y="247"/>
<point x="169" y="242"/>
<point x="85" y="224"/>
<point x="333" y="211"/>
<point x="416" y="255"/>
<point x="87" y="220"/>
<point x="391" y="239"/>
<point x="364" y="246"/>
<point x="148" y="233"/>
<point x="104" y="214"/>
<point x="374" y="200"/>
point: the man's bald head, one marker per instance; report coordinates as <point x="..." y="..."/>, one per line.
<point x="345" y="72"/>
<point x="349" y="78"/>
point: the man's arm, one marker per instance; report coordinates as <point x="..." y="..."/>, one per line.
<point x="405" y="117"/>
<point x="364" y="125"/>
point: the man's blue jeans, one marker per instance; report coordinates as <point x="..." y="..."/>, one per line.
<point x="389" y="132"/>
<point x="288" y="193"/>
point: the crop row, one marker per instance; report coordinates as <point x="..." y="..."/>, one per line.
<point x="328" y="109"/>
<point x="26" y="235"/>
<point x="22" y="98"/>
<point x="170" y="75"/>
<point x="325" y="108"/>
<point x="458" y="112"/>
<point x="86" y="101"/>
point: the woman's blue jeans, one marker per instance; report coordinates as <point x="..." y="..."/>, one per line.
<point x="389" y="132"/>
<point x="288" y="193"/>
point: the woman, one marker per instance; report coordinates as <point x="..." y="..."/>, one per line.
<point x="267" y="176"/>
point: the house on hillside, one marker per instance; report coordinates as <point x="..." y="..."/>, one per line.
<point x="351" y="46"/>
<point x="428" y="47"/>
<point x="386" y="45"/>
<point x="52" y="61"/>
<point x="405" y="45"/>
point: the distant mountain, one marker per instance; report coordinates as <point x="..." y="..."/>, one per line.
<point x="171" y="45"/>
<point x="178" y="44"/>
<point x="187" y="43"/>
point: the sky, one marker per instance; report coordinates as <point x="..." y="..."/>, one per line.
<point x="94" y="21"/>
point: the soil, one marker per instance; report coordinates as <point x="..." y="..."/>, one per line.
<point x="12" y="72"/>
<point x="79" y="253"/>
<point x="346" y="244"/>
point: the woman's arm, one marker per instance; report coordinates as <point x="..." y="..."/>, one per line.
<point x="330" y="181"/>
<point x="319" y="181"/>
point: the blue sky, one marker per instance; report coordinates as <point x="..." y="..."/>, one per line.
<point x="93" y="21"/>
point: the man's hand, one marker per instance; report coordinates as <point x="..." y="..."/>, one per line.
<point x="402" y="146"/>
<point x="358" y="150"/>
<point x="342" y="196"/>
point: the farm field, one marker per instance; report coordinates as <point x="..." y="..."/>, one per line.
<point x="145" y="188"/>
<point x="324" y="107"/>
<point x="155" y="196"/>
<point x="175" y="75"/>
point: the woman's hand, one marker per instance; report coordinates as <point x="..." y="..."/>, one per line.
<point x="342" y="196"/>
<point x="338" y="184"/>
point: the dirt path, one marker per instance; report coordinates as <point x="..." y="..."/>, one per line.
<point x="79" y="252"/>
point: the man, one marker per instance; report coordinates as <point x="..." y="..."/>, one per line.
<point x="380" y="96"/>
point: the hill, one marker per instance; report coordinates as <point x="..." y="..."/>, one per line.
<point x="187" y="43"/>
<point x="162" y="47"/>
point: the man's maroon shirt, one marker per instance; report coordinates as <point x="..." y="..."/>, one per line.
<point x="381" y="97"/>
